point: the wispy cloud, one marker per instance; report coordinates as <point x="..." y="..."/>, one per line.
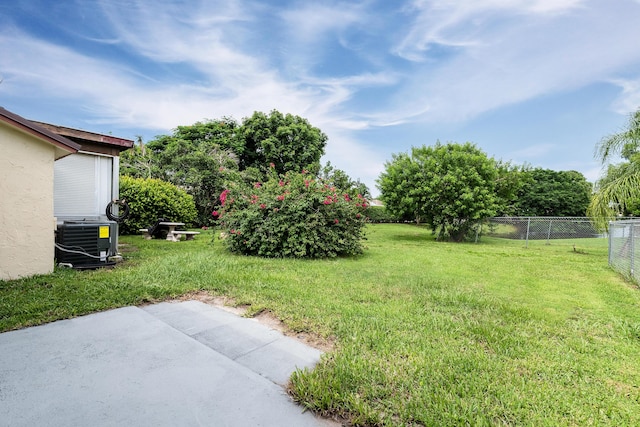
<point x="467" y="23"/>
<point x="349" y="67"/>
<point x="505" y="61"/>
<point x="312" y="22"/>
<point x="629" y="100"/>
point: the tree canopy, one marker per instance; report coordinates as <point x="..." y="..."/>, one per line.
<point x="283" y="142"/>
<point x="553" y="193"/>
<point x="204" y="157"/>
<point x="449" y="186"/>
<point x="193" y="158"/>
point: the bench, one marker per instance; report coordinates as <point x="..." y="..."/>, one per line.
<point x="145" y="233"/>
<point x="177" y="234"/>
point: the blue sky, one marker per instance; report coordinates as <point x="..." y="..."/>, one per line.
<point x="530" y="81"/>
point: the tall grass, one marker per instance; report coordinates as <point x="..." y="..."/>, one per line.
<point x="425" y="333"/>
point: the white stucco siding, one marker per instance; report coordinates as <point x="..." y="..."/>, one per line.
<point x="26" y="204"/>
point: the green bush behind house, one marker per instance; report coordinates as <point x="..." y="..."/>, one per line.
<point x="379" y="215"/>
<point x="150" y="199"/>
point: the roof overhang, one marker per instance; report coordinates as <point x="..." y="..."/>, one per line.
<point x="90" y="141"/>
<point x="63" y="146"/>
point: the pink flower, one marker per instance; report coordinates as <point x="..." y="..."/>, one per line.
<point x="306" y="183"/>
<point x="262" y="206"/>
<point x="304" y="171"/>
<point x="223" y="197"/>
<point x="358" y="216"/>
<point x="280" y="198"/>
<point x="271" y="165"/>
<point x="281" y="183"/>
<point x="346" y="197"/>
<point x="328" y="201"/>
<point x="335" y="221"/>
<point x="257" y="185"/>
<point x="220" y="169"/>
<point x="215" y="213"/>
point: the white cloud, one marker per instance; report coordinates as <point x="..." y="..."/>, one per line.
<point x="232" y="81"/>
<point x="312" y="22"/>
<point x="229" y="58"/>
<point x="591" y="173"/>
<point x="357" y="159"/>
<point x="506" y="61"/>
<point x="467" y="23"/>
<point x="629" y="99"/>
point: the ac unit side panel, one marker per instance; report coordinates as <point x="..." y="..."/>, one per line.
<point x="78" y="239"/>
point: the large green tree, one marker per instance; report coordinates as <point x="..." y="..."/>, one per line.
<point x="553" y="193"/>
<point x="195" y="158"/>
<point x="450" y="187"/>
<point x="285" y="141"/>
<point x="621" y="186"/>
<point x="201" y="158"/>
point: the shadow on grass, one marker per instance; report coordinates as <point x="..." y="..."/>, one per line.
<point x="414" y="234"/>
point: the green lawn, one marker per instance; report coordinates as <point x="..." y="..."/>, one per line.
<point x="424" y="333"/>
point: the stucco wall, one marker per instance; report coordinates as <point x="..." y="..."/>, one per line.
<point x="26" y="204"/>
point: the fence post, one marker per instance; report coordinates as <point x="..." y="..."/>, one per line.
<point x="526" y="244"/>
<point x="549" y="232"/>
<point x="632" y="236"/>
<point x="610" y="242"/>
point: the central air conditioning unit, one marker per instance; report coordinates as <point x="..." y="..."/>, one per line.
<point x="85" y="244"/>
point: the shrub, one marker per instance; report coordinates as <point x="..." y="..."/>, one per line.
<point x="150" y="199"/>
<point x="292" y="215"/>
<point x="379" y="214"/>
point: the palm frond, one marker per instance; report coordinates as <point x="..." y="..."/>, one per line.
<point x="612" y="197"/>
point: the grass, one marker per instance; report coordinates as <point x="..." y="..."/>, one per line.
<point x="425" y="333"/>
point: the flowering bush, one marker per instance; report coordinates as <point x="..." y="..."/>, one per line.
<point x="291" y="215"/>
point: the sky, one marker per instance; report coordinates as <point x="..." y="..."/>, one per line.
<point x="536" y="82"/>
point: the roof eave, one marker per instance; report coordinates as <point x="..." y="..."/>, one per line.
<point x="27" y="126"/>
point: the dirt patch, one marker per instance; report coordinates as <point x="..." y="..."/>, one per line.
<point x="265" y="317"/>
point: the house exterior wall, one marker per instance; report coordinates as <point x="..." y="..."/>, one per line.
<point x="26" y="204"/>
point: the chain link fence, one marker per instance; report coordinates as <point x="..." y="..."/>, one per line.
<point x="624" y="247"/>
<point x="623" y="236"/>
<point x="540" y="228"/>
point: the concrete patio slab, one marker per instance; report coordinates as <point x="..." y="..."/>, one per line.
<point x="170" y="364"/>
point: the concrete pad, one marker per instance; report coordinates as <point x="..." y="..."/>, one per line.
<point x="191" y="317"/>
<point x="128" y="367"/>
<point x="248" y="342"/>
<point x="278" y="359"/>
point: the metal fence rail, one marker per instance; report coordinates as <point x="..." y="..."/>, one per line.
<point x="540" y="228"/>
<point x="624" y="247"/>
